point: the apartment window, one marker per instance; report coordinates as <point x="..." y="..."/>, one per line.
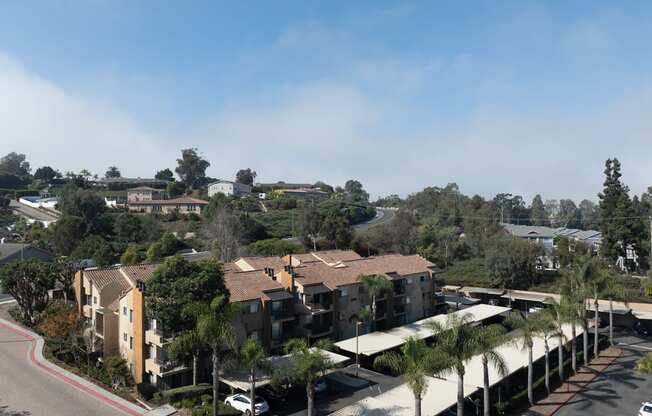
<point x="131" y="315"/>
<point x="131" y="343"/>
<point x="409" y="281"/>
<point x="276" y="330"/>
<point x="124" y="337"/>
<point x="88" y="300"/>
<point x="344" y="292"/>
<point x="255" y="335"/>
<point x="423" y="278"/>
<point x="124" y="310"/>
<point x="94" y="300"/>
<point x="254" y="307"/>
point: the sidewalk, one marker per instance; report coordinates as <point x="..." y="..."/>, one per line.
<point x="573" y="385"/>
<point x="83" y="386"/>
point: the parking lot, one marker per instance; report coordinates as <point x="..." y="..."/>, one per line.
<point x="620" y="389"/>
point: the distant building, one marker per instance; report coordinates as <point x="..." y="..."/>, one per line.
<point x="283" y="185"/>
<point x="228" y="188"/>
<point x="184" y="205"/>
<point x="533" y="234"/>
<point x="122" y="183"/>
<point x="144" y="193"/>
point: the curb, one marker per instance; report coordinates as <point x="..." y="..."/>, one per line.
<point x="35" y="355"/>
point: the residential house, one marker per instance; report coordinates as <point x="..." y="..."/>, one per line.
<point x="228" y="188"/>
<point x="144" y="193"/>
<point x="124" y="183"/>
<point x="17" y="251"/>
<point x="184" y="205"/>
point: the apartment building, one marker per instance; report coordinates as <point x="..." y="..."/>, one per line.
<point x="145" y="193"/>
<point x="310" y="295"/>
<point x="329" y="296"/>
<point x="183" y="205"/>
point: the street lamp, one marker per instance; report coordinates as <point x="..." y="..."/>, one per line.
<point x="357" y="353"/>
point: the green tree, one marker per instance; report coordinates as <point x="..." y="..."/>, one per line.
<point x="176" y="189"/>
<point x="186" y="347"/>
<point x="96" y="248"/>
<point x="216" y="330"/>
<point x="246" y="176"/>
<point x="130" y="256"/>
<point x="192" y="168"/>
<point x="164" y="175"/>
<point x="306" y="366"/>
<point x="169" y="244"/>
<point x="67" y="233"/>
<point x="253" y="357"/>
<point x="538" y="212"/>
<point x="117" y="369"/>
<point x="620" y="227"/>
<point x="512" y="262"/>
<point x="46" y="174"/>
<point x="128" y="228"/>
<point x="558" y="316"/>
<point x="490" y="338"/>
<point x="337" y="231"/>
<point x="375" y="286"/>
<point x="311" y="225"/>
<point x="548" y="331"/>
<point x="274" y="247"/>
<point x="15" y="164"/>
<point x="178" y="283"/>
<point x="644" y="364"/>
<point x="458" y="341"/>
<point x="528" y="328"/>
<point x="415" y="363"/>
<point x="154" y="252"/>
<point x="112" y="172"/>
<point x="354" y="191"/>
<point x="85" y="204"/>
<point x="28" y="281"/>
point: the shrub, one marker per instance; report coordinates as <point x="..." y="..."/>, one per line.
<point x="147" y="391"/>
<point x="186" y="392"/>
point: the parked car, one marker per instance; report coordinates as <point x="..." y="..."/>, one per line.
<point x="242" y="402"/>
<point x="646" y="409"/>
<point x="641" y="329"/>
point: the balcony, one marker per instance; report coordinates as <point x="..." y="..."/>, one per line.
<point x="162" y="368"/>
<point x="317" y="307"/>
<point x="399" y="289"/>
<point x="282" y="314"/>
<point x="317" y="330"/>
<point x="155" y="337"/>
<point x="400" y="309"/>
<point x="87" y="311"/>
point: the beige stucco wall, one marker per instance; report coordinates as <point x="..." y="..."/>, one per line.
<point x="126" y="327"/>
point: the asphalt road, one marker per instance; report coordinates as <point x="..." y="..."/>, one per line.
<point x="619" y="390"/>
<point x="27" y="390"/>
<point x="383" y="216"/>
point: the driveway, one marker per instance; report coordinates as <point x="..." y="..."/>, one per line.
<point x="26" y="389"/>
<point x="619" y="390"/>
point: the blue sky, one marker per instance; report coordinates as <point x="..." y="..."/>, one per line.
<point x="522" y="97"/>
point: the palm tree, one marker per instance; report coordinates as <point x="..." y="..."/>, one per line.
<point x="254" y="358"/>
<point x="188" y="345"/>
<point x="306" y="366"/>
<point x="548" y="330"/>
<point x="216" y="330"/>
<point x="376" y="286"/>
<point x="415" y="362"/>
<point x="571" y="282"/>
<point x="596" y="285"/>
<point x="614" y="290"/>
<point x="558" y="318"/>
<point x="489" y="339"/>
<point x="528" y="328"/>
<point x="458" y="341"/>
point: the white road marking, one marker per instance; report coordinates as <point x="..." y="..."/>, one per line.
<point x="635" y="346"/>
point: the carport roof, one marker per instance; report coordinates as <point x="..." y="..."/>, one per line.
<point x="379" y="341"/>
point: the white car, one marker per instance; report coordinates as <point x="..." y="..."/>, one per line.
<point x="646" y="409"/>
<point x="242" y="402"/>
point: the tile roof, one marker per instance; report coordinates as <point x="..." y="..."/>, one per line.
<point x="346" y="273"/>
<point x="249" y="285"/>
<point x="184" y="200"/>
<point x="10" y="249"/>
<point x="139" y="272"/>
<point x="334" y="256"/>
<point x="104" y="277"/>
<point x="144" y="188"/>
<point x="260" y="262"/>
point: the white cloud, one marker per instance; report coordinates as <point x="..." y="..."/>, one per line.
<point x="334" y="131"/>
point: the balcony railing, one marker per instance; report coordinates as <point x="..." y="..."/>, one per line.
<point x="319" y="307"/>
<point x="161" y="367"/>
<point x="316" y="330"/>
<point x="156" y="337"/>
<point x="281" y="314"/>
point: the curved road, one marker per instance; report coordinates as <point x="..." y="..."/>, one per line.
<point x="26" y="389"/>
<point x="383" y="216"/>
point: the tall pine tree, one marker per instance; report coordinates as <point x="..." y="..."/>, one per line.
<point x="620" y="226"/>
<point x="538" y="212"/>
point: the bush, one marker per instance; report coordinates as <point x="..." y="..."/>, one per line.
<point x="186" y="392"/>
<point x="274" y="247"/>
<point x="147" y="391"/>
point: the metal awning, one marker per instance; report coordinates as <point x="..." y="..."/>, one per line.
<point x="488" y="291"/>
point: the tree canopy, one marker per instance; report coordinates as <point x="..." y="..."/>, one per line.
<point x="191" y="168"/>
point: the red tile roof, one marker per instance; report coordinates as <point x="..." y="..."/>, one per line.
<point x="249" y="285"/>
<point x="104" y="277"/>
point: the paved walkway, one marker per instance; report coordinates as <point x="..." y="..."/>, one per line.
<point x="575" y="384"/>
<point x="32" y="385"/>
